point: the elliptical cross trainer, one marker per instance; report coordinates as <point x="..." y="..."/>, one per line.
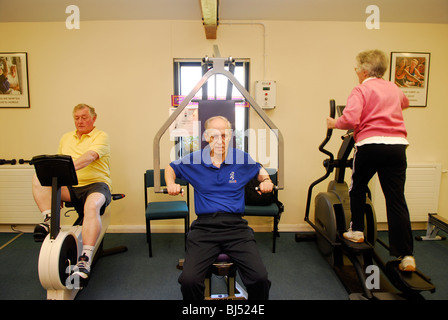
<point x="351" y="261"/>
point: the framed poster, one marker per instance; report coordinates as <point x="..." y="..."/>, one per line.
<point x="14" y="80"/>
<point x="410" y="72"/>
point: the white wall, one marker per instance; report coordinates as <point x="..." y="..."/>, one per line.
<point x="124" y="69"/>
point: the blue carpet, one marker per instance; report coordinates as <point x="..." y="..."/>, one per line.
<point x="297" y="270"/>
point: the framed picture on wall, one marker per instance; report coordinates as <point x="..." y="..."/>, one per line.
<point x="14" y="80"/>
<point x="410" y="72"/>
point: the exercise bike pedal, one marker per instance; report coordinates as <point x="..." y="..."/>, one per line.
<point x="39" y="236"/>
<point x="41" y="231"/>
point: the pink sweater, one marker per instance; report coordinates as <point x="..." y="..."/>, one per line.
<point x="374" y="108"/>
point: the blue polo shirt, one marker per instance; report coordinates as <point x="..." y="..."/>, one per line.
<point x="217" y="189"/>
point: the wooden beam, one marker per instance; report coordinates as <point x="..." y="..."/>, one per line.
<point x="210" y="31"/>
<point x="209" y="10"/>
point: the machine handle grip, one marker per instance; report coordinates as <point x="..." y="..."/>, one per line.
<point x="332" y="115"/>
<point x="332" y="108"/>
<point x="275" y="188"/>
<point x="117" y="196"/>
<point x="165" y="191"/>
<point x="329" y="131"/>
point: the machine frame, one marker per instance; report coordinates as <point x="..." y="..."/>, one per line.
<point x="217" y="67"/>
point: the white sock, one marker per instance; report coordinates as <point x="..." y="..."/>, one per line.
<point x="46" y="213"/>
<point x="88" y="251"/>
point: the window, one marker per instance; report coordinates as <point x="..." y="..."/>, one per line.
<point x="187" y="73"/>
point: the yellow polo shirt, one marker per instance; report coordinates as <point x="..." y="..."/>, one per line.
<point x="96" y="140"/>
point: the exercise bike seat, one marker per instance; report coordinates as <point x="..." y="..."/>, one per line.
<point x="80" y="210"/>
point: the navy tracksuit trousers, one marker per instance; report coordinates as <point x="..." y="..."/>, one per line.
<point x="389" y="161"/>
<point x="217" y="233"/>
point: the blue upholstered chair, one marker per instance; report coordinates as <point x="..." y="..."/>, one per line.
<point x="162" y="210"/>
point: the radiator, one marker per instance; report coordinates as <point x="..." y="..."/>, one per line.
<point x="17" y="205"/>
<point x="421" y="191"/>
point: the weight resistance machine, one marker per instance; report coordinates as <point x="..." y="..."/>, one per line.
<point x="216" y="65"/>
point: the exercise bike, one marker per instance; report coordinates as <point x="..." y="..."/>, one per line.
<point x="63" y="245"/>
<point x="353" y="261"/>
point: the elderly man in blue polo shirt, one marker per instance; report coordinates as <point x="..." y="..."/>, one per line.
<point x="218" y="174"/>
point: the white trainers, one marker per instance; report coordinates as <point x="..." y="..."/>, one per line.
<point x="354" y="236"/>
<point x="407" y="264"/>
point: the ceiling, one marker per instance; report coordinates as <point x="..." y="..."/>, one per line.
<point x="413" y="11"/>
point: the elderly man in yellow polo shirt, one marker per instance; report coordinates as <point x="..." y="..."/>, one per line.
<point x="90" y="150"/>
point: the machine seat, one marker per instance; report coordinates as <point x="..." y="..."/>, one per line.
<point x="223" y="265"/>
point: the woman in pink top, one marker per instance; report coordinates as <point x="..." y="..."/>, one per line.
<point x="374" y="112"/>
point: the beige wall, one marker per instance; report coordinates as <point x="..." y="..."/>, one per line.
<point x="124" y="69"/>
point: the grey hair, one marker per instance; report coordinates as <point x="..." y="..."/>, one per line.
<point x="207" y="122"/>
<point x="374" y="62"/>
<point x="83" y="105"/>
